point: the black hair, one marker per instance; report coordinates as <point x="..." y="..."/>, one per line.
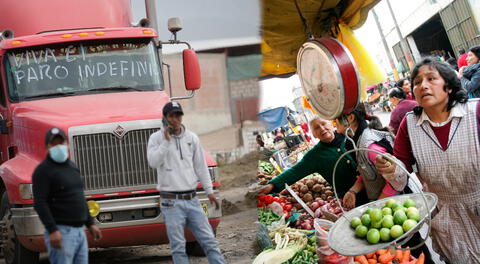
<point x="452" y="82"/>
<point x="400" y="82"/>
<point x="476" y="51"/>
<point x="453" y="63"/>
<point x="461" y="51"/>
<point x="397" y="93"/>
<point x="362" y="117"/>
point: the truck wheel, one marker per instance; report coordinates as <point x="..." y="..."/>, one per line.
<point x="194" y="249"/>
<point x="14" y="252"/>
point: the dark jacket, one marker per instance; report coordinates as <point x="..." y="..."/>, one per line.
<point x="471" y="80"/>
<point x="58" y="195"/>
<point x="321" y="159"/>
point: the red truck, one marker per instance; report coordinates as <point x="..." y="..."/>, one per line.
<point x="82" y="66"/>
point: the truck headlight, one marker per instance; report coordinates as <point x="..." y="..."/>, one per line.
<point x="25" y="190"/>
<point x="213" y="173"/>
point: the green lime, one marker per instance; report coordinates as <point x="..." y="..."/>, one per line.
<point x="399" y="217"/>
<point x="385" y="234"/>
<point x="387" y="221"/>
<point x="361" y="231"/>
<point x="409" y="224"/>
<point x="387" y="211"/>
<point x="409" y="203"/>
<point x="400" y="208"/>
<point x="367" y="211"/>
<point x="366" y="220"/>
<point x="413" y="213"/>
<point x="376" y="215"/>
<point x="391" y="203"/>
<point x="396" y="231"/>
<point x="373" y="236"/>
<point x="376" y="224"/>
<point x="356" y="222"/>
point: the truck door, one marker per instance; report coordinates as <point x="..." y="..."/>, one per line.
<point x="3" y="118"/>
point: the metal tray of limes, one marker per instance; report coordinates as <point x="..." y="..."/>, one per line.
<point x="342" y="238"/>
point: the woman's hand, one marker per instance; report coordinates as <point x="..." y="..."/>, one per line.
<point x="349" y="199"/>
<point x="385" y="168"/>
<point x="267" y="189"/>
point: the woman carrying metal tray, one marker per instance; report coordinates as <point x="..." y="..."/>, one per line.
<point x="441" y="138"/>
<point x="373" y="136"/>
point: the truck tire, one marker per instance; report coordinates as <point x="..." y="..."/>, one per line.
<point x="14" y="252"/>
<point x="194" y="249"/>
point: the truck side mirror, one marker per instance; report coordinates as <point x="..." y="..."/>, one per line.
<point x="191" y="70"/>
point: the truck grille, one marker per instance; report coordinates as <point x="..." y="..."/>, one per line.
<point x="107" y="161"/>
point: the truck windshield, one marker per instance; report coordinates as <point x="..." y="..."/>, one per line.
<point x="82" y="68"/>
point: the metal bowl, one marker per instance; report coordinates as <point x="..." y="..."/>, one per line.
<point x="342" y="239"/>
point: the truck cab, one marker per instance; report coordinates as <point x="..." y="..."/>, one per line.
<point x="82" y="67"/>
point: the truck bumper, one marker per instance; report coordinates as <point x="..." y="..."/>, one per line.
<point x="153" y="234"/>
<point x="124" y="231"/>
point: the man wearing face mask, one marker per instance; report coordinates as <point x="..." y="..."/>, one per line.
<point x="60" y="203"/>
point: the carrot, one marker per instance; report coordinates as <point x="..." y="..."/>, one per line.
<point x="385" y="258"/>
<point x="381" y="251"/>
<point x="421" y="259"/>
<point x="372" y="261"/>
<point x="370" y="255"/>
<point x="406" y="256"/>
<point x="361" y="259"/>
<point x="399" y="255"/>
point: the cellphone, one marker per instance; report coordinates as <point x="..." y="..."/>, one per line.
<point x="167" y="124"/>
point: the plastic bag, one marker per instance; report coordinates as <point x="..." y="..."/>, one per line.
<point x="325" y="254"/>
<point x="263" y="239"/>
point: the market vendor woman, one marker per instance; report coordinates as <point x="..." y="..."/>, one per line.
<point x="321" y="159"/>
<point x="441" y="137"/>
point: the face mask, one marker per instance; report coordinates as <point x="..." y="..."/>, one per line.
<point x="59" y="153"/>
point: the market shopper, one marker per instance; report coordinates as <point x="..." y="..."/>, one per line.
<point x="321" y="159"/>
<point x="178" y="157"/>
<point x="462" y="60"/>
<point x="400" y="107"/>
<point x="60" y="203"/>
<point x="470" y="75"/>
<point x="441" y="139"/>
<point x="405" y="85"/>
<point x="369" y="135"/>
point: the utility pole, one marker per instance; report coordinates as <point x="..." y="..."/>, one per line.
<point x="403" y="43"/>
<point x="385" y="45"/>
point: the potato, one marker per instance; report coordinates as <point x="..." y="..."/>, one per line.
<point x="317" y="188"/>
<point x="310" y="183"/>
<point x="304" y="189"/>
<point x="308" y="197"/>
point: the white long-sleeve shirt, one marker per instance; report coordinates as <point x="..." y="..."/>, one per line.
<point x="180" y="162"/>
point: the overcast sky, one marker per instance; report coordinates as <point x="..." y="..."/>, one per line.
<point x="206" y="19"/>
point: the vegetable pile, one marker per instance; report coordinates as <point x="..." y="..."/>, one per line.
<point x="315" y="191"/>
<point x="387" y="256"/>
<point x="265" y="172"/>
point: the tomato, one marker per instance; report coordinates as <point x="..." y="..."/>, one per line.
<point x="268" y="200"/>
<point x="261" y="197"/>
<point x="277" y="199"/>
<point x="287" y="214"/>
<point x="260" y="204"/>
<point x="282" y="204"/>
<point x="288" y="207"/>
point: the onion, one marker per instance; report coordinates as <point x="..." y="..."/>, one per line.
<point x="318" y="213"/>
<point x="314" y="206"/>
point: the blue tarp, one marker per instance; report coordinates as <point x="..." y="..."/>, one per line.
<point x="274" y="118"/>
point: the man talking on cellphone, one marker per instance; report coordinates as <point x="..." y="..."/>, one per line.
<point x="177" y="155"/>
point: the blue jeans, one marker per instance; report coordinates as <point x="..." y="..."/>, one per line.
<point x="179" y="214"/>
<point x="74" y="246"/>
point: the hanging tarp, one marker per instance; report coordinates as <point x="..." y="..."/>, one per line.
<point x="243" y="67"/>
<point x="274" y="118"/>
<point x="286" y="25"/>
